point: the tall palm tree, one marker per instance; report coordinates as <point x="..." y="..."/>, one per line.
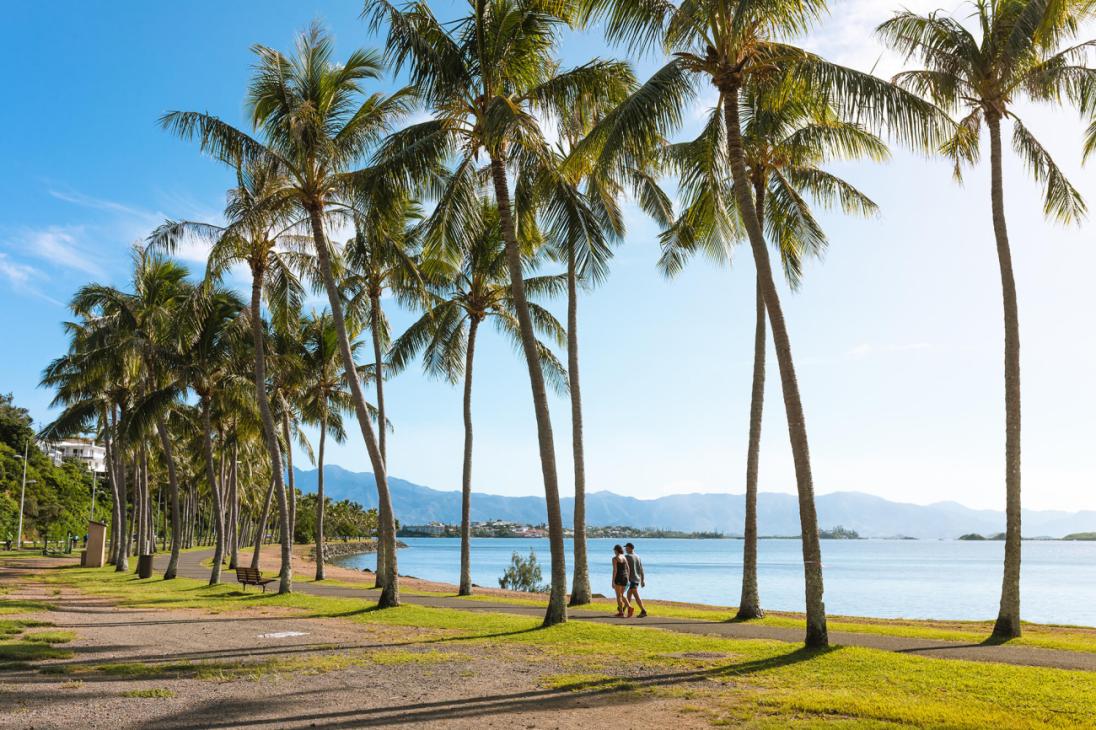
<point x="577" y="206"/>
<point x="205" y="362"/>
<point x="259" y="233"/>
<point x="476" y="290"/>
<point x="1019" y="55"/>
<point x="324" y="398"/>
<point x="89" y="390"/>
<point x="731" y="45"/>
<point x="786" y="139"/>
<point x="134" y="333"/>
<point x="317" y="124"/>
<point x="485" y="77"/>
<point x="380" y="258"/>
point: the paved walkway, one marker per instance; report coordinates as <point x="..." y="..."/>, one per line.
<point x="190" y="566"/>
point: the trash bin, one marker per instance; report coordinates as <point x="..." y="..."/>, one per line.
<point x="83" y="558"/>
<point x="144" y="566"/>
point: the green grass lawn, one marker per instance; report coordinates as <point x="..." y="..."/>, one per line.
<point x="765" y="683"/>
<point x="1069" y="638"/>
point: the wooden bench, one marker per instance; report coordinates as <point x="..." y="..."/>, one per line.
<point x="252" y="577"/>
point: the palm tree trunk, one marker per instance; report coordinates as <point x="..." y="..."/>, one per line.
<point x="173" y="489"/>
<point x="374" y="325"/>
<point x="121" y="563"/>
<point x="260" y="525"/>
<point x="108" y="443"/>
<point x="138" y="506"/>
<point x="816" y="635"/>
<point x="390" y="593"/>
<point x="320" y="502"/>
<point x="1008" y="618"/>
<point x="234" y="507"/>
<point x="218" y="511"/>
<point x="749" y="604"/>
<point x="557" y="608"/>
<point x="580" y="586"/>
<point x="466" y="475"/>
<point x="291" y="486"/>
<point x="270" y="437"/>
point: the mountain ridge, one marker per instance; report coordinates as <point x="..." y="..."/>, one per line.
<point x="869" y="515"/>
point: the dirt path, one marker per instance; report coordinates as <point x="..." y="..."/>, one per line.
<point x="190" y="565"/>
<point x="266" y="668"/>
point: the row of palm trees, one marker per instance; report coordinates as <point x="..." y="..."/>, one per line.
<point x="455" y="215"/>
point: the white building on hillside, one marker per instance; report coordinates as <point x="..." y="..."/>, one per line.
<point x="93" y="456"/>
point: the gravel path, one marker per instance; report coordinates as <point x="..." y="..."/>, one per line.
<point x="190" y="565"/>
<point x="268" y="668"/>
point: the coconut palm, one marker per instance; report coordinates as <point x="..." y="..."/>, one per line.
<point x="1024" y="50"/>
<point x="131" y="336"/>
<point x="576" y="206"/>
<point x="486" y="76"/>
<point x="380" y="258"/>
<point x="317" y="123"/>
<point x="787" y="137"/>
<point x="733" y="45"/>
<point x="90" y="388"/>
<point x="474" y="291"/>
<point x="324" y="398"/>
<point x="259" y="233"/>
<point x="206" y="365"/>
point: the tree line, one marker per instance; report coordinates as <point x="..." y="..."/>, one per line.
<point x="523" y="165"/>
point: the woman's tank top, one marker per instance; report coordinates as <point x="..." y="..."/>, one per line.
<point x="619" y="574"/>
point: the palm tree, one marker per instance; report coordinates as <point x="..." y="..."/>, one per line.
<point x="317" y="124"/>
<point x="131" y="336"/>
<point x="786" y="139"/>
<point x="476" y="290"/>
<point x="577" y="207"/>
<point x="206" y="358"/>
<point x="259" y="234"/>
<point x="89" y="389"/>
<point x="733" y="45"/>
<point x="382" y="257"/>
<point x="486" y="76"/>
<point x="324" y="398"/>
<point x="1018" y="56"/>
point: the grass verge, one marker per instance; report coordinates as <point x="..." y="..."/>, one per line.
<point x="762" y="683"/>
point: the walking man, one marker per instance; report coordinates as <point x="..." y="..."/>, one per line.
<point x="635" y="573"/>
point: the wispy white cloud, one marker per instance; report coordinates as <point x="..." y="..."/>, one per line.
<point x="64" y="246"/>
<point x="22" y="277"/>
<point x="17" y="273"/>
<point x="110" y="206"/>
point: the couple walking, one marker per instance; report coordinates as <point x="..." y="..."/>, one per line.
<point x="627" y="580"/>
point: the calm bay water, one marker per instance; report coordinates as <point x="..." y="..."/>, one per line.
<point x="944" y="579"/>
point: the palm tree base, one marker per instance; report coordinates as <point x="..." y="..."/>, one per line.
<point x="1006" y="628"/>
<point x="749" y="613"/>
<point x="817" y="638"/>
<point x="389" y="599"/>
<point x="555" y="615"/>
<point x="464" y="590"/>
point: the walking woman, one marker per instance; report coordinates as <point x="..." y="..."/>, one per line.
<point x="621" y="577"/>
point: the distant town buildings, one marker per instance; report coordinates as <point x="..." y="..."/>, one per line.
<point x="89" y="453"/>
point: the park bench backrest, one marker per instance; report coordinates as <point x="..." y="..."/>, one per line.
<point x="248" y="575"/>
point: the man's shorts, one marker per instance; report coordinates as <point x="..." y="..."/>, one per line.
<point x="633" y="584"/>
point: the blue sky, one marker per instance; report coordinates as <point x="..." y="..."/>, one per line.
<point x="897" y="333"/>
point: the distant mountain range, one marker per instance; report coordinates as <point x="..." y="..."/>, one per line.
<point x="777" y="513"/>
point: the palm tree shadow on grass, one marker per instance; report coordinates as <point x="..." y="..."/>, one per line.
<point x="610" y="690"/>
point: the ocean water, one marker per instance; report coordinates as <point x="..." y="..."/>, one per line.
<point x="942" y="579"/>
